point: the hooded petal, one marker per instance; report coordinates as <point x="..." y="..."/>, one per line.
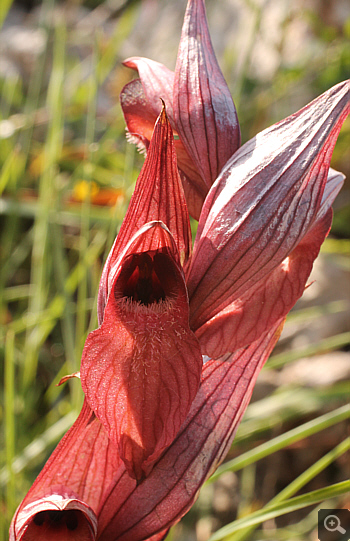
<point x="69" y="488"/>
<point x="205" y="437"/>
<point x="158" y="196"/>
<point x="57" y="517"/>
<point x="264" y="203"/>
<point x="204" y="113"/>
<point x="141" y="369"/>
<point x="141" y="103"/>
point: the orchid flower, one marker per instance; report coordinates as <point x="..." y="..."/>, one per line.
<point x="183" y="334"/>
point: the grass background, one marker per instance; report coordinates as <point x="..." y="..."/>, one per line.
<point x="66" y="176"/>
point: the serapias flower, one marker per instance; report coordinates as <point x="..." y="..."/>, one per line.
<point x="157" y="420"/>
<point x="141" y="368"/>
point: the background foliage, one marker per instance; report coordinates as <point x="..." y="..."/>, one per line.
<point x="66" y="176"/>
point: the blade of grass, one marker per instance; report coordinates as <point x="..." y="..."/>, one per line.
<point x="11" y="96"/>
<point x="314" y="312"/>
<point x="9" y="381"/>
<point x="336" y="246"/>
<point x="288" y="438"/>
<point x="40" y="260"/>
<point x="16" y="293"/>
<point x="327" y="344"/>
<point x="16" y="256"/>
<point x="61" y="271"/>
<point x="81" y="323"/>
<point x="70" y="216"/>
<point x="56" y="307"/>
<point x="288" y="404"/>
<point x="311" y="472"/>
<point x="282" y="508"/>
<point x="299" y="483"/>
<point x="302" y="530"/>
<point x="7" y="169"/>
<point x="32" y="452"/>
<point x="121" y="31"/>
<point x="35" y="84"/>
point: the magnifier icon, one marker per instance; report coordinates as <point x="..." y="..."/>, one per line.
<point x="332" y="524"/>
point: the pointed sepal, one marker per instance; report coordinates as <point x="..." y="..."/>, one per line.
<point x="204" y="112"/>
<point x="266" y="201"/>
<point x="158" y="196"/>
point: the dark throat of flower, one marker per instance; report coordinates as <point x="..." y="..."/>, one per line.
<point x="147" y="278"/>
<point x="54" y="520"/>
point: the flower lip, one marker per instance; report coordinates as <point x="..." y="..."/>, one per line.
<point x="147" y="278"/>
<point x="138" y="376"/>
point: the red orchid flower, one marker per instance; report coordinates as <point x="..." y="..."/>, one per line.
<point x="156" y="420"/>
<point x="85" y="491"/>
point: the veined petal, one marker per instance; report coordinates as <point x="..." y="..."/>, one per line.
<point x="157" y="82"/>
<point x="253" y="313"/>
<point x="140" y="370"/>
<point x="199" y="447"/>
<point x="204" y="112"/>
<point x="70" y="486"/>
<point x="264" y="202"/>
<point x="141" y="104"/>
<point x="244" y="320"/>
<point x="193" y="184"/>
<point x="159" y="196"/>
